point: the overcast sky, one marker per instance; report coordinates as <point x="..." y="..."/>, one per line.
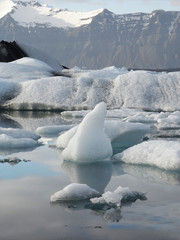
<point x="117" y="6"/>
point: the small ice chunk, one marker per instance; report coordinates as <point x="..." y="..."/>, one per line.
<point x="121" y="194"/>
<point x="112" y="198"/>
<point x="90" y="143"/>
<point x="74" y="192"/>
<point x="128" y="195"/>
<point x="159" y="153"/>
<point x="123" y="190"/>
<point x="98" y="200"/>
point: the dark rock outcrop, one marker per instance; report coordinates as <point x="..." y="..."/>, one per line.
<point x="10" y="51"/>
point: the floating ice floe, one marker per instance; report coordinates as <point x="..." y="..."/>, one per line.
<point x="19" y="133"/>
<point x="8" y="142"/>
<point x="120" y="195"/>
<point x="90" y="143"/>
<point x="17" y="138"/>
<point x="74" y="192"/>
<point x="159" y="153"/>
<point x="125" y="114"/>
<point x="53" y="130"/>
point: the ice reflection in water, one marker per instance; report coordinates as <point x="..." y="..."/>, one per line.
<point x="95" y="175"/>
<point x="152" y="174"/>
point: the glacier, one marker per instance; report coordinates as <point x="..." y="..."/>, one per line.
<point x="119" y="88"/>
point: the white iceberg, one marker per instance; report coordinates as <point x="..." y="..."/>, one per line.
<point x="158" y="153"/>
<point x="24" y="69"/>
<point x="118" y="88"/>
<point x="90" y="143"/>
<point x="74" y="192"/>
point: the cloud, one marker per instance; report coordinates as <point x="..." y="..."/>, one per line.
<point x="176" y="2"/>
<point x="58" y="2"/>
<point x="172" y="2"/>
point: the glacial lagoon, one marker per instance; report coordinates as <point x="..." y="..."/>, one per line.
<point x="30" y="176"/>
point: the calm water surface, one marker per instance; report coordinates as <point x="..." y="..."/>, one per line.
<point x="26" y="187"/>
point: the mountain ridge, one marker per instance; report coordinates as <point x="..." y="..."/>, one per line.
<point x="97" y="39"/>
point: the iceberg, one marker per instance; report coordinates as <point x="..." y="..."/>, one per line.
<point x="21" y="70"/>
<point x="90" y="143"/>
<point x="119" y="88"/>
<point x="158" y="153"/>
<point x="74" y="192"/>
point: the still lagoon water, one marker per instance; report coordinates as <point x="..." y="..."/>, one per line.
<point x="26" y="187"/>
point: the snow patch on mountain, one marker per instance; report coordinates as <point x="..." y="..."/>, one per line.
<point x="6" y="6"/>
<point x="31" y="14"/>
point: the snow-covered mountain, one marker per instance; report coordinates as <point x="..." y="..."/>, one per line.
<point x="95" y="39"/>
<point x="32" y="14"/>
